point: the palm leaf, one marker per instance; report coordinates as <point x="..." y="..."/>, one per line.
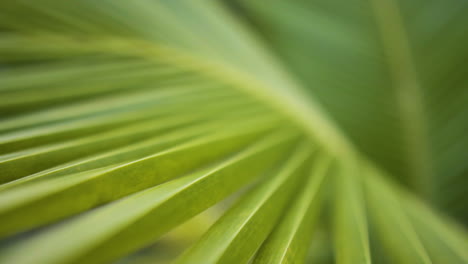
<point x="351" y="234"/>
<point x="240" y="232"/>
<point x="291" y="239"/>
<point x="122" y="120"/>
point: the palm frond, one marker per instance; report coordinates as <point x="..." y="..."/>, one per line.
<point x="290" y="240"/>
<point x="123" y="120"/>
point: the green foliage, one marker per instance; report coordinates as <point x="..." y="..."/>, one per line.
<point x="332" y="123"/>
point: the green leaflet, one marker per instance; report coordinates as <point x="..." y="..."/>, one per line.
<point x="92" y="108"/>
<point x="134" y="151"/>
<point x="23" y="163"/>
<point x="291" y="238"/>
<point x="236" y="236"/>
<point x="121" y="227"/>
<point x="32" y="78"/>
<point x="350" y="219"/>
<point x="49" y="133"/>
<point x="35" y="87"/>
<point x="445" y="241"/>
<point x="392" y="223"/>
<point x="55" y="197"/>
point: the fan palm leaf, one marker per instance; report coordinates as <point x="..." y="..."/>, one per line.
<point x="123" y="120"/>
